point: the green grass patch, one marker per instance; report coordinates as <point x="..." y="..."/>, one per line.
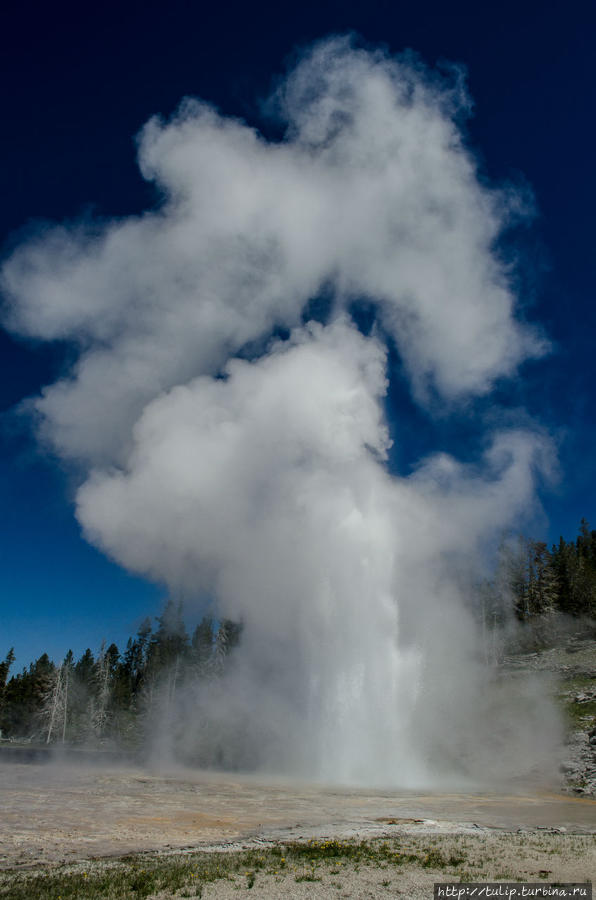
<point x="353" y="851"/>
<point x="184" y="875"/>
<point x="579" y="716"/>
<point x="434" y="859"/>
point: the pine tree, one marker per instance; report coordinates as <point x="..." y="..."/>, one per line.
<point x="84" y="668"/>
<point x="136" y="659"/>
<point x="575" y="566"/>
<point x="4" y="670"/>
<point x="543" y="587"/>
<point x="171" y="636"/>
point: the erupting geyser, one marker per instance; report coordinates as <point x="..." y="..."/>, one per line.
<point x="234" y="446"/>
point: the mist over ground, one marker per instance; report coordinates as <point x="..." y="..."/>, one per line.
<point x="231" y="433"/>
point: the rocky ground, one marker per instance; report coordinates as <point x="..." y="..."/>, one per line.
<point x="573" y="663"/>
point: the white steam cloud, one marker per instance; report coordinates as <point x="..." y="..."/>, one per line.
<point x="264" y="481"/>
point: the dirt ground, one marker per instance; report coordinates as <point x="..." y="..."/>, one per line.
<point x="514" y="858"/>
<point x="58" y="813"/>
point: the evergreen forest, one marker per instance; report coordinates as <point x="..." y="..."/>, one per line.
<point x="104" y="700"/>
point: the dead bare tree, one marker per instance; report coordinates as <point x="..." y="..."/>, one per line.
<point x="55" y="703"/>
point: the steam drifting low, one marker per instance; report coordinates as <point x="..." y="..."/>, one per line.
<point x="226" y="458"/>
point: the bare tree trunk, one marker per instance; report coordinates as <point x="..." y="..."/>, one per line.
<point x="65" y="704"/>
<point x="55" y="703"/>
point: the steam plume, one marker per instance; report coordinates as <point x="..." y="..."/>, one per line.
<point x="222" y="460"/>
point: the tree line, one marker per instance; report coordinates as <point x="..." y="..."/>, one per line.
<point x="106" y="699"/>
<point x="559" y="580"/>
<point x="537" y="597"/>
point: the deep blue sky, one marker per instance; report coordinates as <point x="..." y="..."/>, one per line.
<point x="78" y="83"/>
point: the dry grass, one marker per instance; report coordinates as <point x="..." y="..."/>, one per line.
<point x="318" y="866"/>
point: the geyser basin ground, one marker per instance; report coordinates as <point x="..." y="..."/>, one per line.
<point x="58" y="814"/>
